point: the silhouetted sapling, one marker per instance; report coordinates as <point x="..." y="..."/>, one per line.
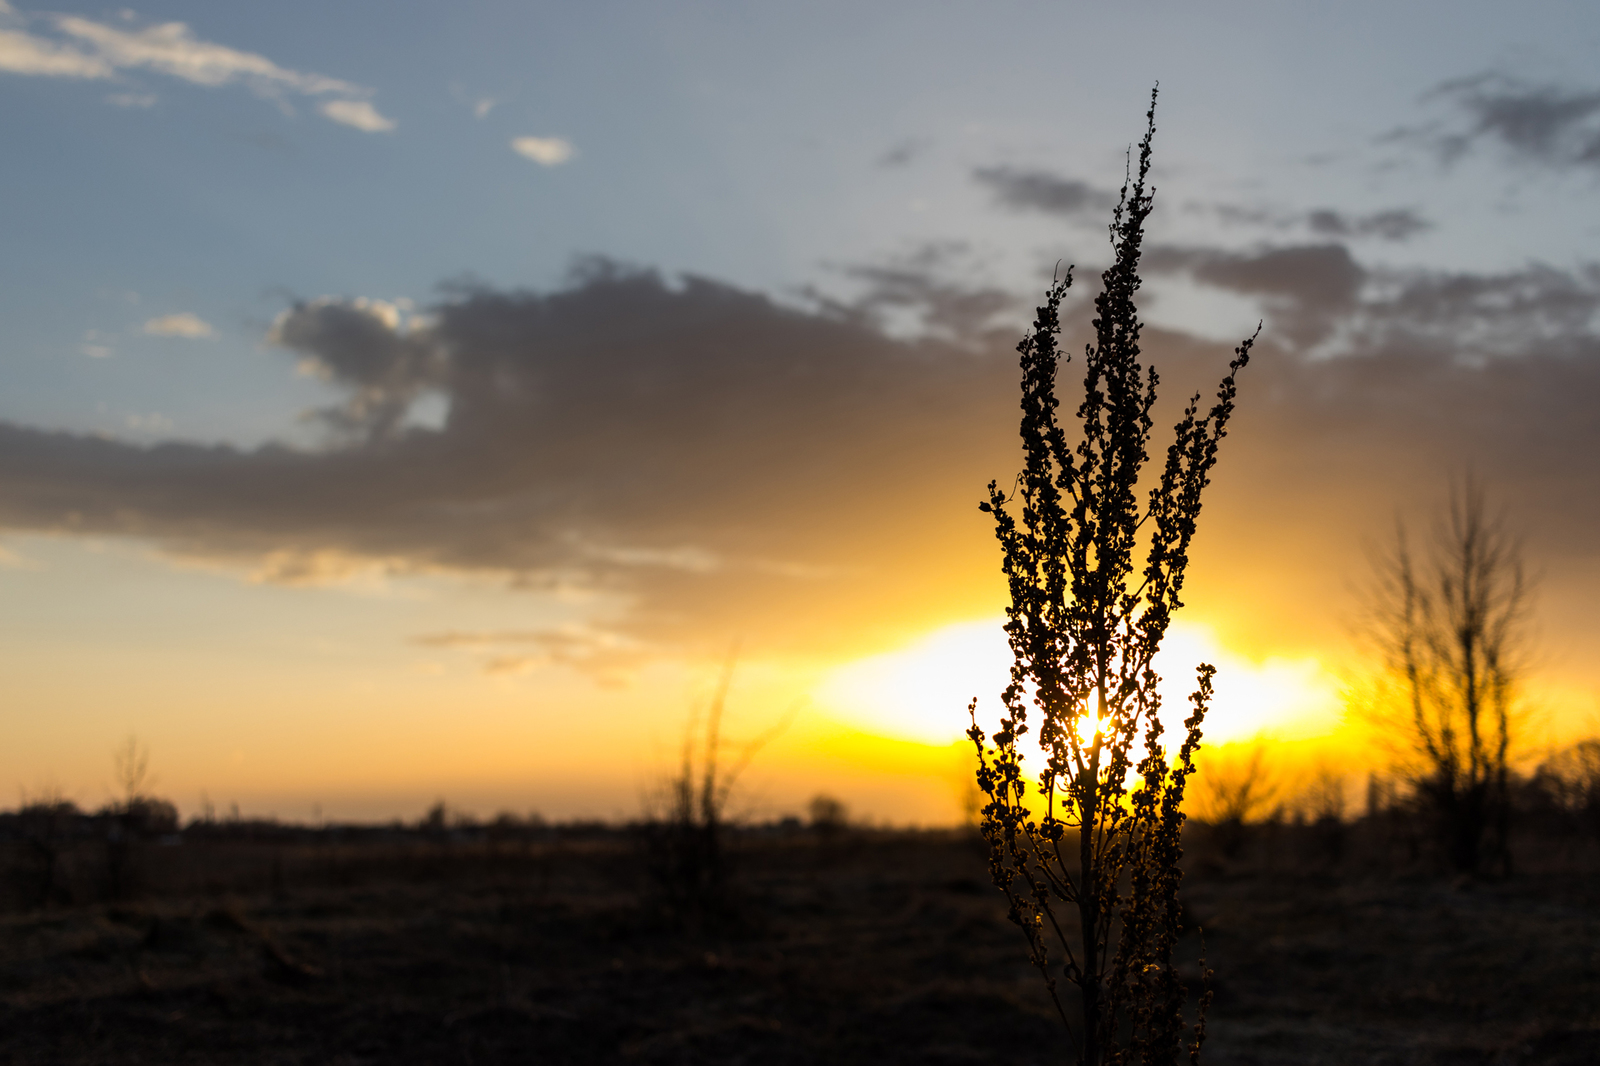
<point x="1101" y="835"/>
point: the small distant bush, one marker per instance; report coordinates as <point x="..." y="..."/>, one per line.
<point x="827" y="814"/>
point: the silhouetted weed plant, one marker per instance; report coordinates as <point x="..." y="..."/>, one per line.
<point x="1084" y="625"/>
<point x="685" y="838"/>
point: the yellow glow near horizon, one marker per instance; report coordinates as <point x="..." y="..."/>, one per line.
<point x="920" y="692"/>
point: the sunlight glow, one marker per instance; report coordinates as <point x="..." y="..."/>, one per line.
<point x="921" y="692"/>
<point x="1090" y="723"/>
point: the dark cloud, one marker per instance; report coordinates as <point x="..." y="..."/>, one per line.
<point x="1395" y="224"/>
<point x="1312" y="293"/>
<point x="358" y="345"/>
<point x="1307" y="288"/>
<point x="903" y="154"/>
<point x="1536" y="311"/>
<point x="926" y="290"/>
<point x="707" y="462"/>
<point x="1549" y="124"/>
<point x="702" y="453"/>
<point x="1040" y="190"/>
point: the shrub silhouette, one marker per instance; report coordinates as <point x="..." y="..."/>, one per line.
<point x="827" y="814"/>
<point x="684" y="839"/>
<point x="47" y="822"/>
<point x="1448" y="625"/>
<point x="1568" y="782"/>
<point x="1084" y="624"/>
<point x="1234" y="787"/>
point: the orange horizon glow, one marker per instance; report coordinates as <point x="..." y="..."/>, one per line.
<point x="324" y="701"/>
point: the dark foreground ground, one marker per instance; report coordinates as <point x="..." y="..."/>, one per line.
<point x="855" y="947"/>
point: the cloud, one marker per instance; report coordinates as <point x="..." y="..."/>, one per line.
<point x="169" y="48"/>
<point x="903" y="154"/>
<point x="703" y="462"/>
<point x="132" y="100"/>
<point x="1307" y="288"/>
<point x="1319" y="294"/>
<point x="1391" y="224"/>
<point x="152" y="423"/>
<point x="361" y="346"/>
<point x="95" y="345"/>
<point x="611" y="655"/>
<point x="1040" y="190"/>
<point x="89" y="49"/>
<point x="482" y="107"/>
<point x="1549" y="124"/>
<point x="1395" y="224"/>
<point x="546" y="151"/>
<point x="926" y="292"/>
<point x="695" y="450"/>
<point x="23" y="53"/>
<point x="183" y="324"/>
<point x="357" y="113"/>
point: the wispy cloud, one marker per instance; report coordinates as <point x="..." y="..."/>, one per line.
<point x="1041" y="190"/>
<point x="183" y="324"/>
<point x="84" y="48"/>
<point x="357" y="113"/>
<point x="23" y="53"/>
<point x="610" y="655"/>
<point x="138" y="100"/>
<point x="904" y="153"/>
<point x="96" y="345"/>
<point x="546" y="151"/>
<point x="1390" y="224"/>
<point x="1395" y="224"/>
<point x="169" y="48"/>
<point x="152" y="423"/>
<point x="1545" y="123"/>
<point x="928" y="290"/>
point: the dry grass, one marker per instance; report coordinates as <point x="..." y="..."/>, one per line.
<point x="867" y="947"/>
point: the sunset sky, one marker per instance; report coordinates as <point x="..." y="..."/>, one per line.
<point x="409" y="401"/>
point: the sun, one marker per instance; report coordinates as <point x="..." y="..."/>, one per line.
<point x="920" y="692"/>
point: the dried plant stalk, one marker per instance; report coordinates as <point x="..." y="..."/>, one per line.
<point x="1100" y="836"/>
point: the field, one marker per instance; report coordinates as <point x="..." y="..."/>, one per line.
<point x="554" y="946"/>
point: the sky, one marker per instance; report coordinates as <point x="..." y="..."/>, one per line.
<point x="410" y="401"/>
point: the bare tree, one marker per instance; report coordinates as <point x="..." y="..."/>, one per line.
<point x="1099" y="840"/>
<point x="1449" y="621"/>
<point x="130" y="761"/>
